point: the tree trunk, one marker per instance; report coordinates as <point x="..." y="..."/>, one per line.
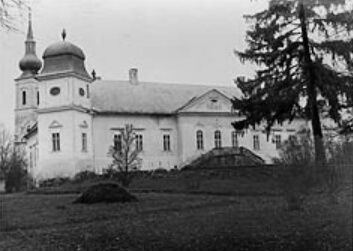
<point x="320" y="156"/>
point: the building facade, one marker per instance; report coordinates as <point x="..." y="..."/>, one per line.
<point x="67" y="119"/>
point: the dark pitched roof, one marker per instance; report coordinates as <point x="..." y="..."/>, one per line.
<point x="148" y="98"/>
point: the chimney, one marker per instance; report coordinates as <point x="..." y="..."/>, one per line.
<point x="133" y="76"/>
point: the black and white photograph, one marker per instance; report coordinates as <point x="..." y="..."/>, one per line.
<point x="176" y="125"/>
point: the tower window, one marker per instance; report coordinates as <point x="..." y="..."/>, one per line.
<point x="199" y="140"/>
<point x="217" y="139"/>
<point x="81" y="91"/>
<point x="37" y="97"/>
<point x="87" y="90"/>
<point x="235" y="139"/>
<point x="117" y="142"/>
<point x="166" y="142"/>
<point x="256" y="142"/>
<point x="56" y="141"/>
<point x="55" y="91"/>
<point x="84" y="142"/>
<point x="24" y="98"/>
<point x="139" y="142"/>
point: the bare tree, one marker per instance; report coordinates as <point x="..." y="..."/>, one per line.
<point x="12" y="12"/>
<point x="125" y="155"/>
<point x="12" y="162"/>
<point x="6" y="144"/>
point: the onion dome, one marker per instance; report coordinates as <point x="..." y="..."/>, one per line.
<point x="64" y="57"/>
<point x="30" y="64"/>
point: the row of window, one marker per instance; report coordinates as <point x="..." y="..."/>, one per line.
<point x="117" y="142"/>
<point x="24" y="97"/>
<point x="56" y="142"/>
<point x="54" y="91"/>
<point x="217" y="139"/>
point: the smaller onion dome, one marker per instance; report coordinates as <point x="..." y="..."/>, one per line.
<point x="30" y="64"/>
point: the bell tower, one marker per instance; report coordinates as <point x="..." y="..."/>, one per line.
<point x="27" y="92"/>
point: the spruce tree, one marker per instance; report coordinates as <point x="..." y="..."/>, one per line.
<point x="303" y="49"/>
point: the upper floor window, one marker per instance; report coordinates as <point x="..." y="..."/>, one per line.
<point x="81" y="91"/>
<point x="117" y="142"/>
<point x="37" y="97"/>
<point x="55" y="141"/>
<point x="199" y="140"/>
<point x="84" y="142"/>
<point x="139" y="142"/>
<point x="166" y="142"/>
<point x="217" y="139"/>
<point x="24" y="97"/>
<point x="87" y="90"/>
<point x="235" y="139"/>
<point x="256" y="142"/>
<point x="278" y="141"/>
<point x="55" y="91"/>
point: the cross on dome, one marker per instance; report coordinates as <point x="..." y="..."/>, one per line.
<point x="63" y="34"/>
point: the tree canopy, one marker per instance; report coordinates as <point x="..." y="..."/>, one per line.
<point x="303" y="50"/>
<point x="12" y="12"/>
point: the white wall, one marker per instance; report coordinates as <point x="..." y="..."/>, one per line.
<point x="69" y="93"/>
<point x="151" y="127"/>
<point x="25" y="114"/>
<point x="70" y="159"/>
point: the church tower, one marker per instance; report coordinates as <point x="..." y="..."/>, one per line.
<point x="64" y="112"/>
<point x="27" y="93"/>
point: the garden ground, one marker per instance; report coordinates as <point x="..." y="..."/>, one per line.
<point x="164" y="221"/>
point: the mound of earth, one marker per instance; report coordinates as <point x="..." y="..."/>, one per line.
<point x="105" y="192"/>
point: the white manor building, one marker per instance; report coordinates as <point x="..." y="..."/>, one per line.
<point x="67" y="119"/>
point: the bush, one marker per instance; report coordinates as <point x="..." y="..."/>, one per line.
<point x="84" y="176"/>
<point x="105" y="192"/>
<point x="54" y="182"/>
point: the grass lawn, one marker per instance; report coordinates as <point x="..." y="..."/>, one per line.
<point x="174" y="222"/>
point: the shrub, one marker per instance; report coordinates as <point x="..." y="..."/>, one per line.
<point x="54" y="182"/>
<point x="105" y="192"/>
<point x="84" y="176"/>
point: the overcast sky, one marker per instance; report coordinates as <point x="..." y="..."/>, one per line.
<point x="176" y="41"/>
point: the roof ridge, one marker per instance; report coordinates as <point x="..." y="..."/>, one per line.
<point x="166" y="83"/>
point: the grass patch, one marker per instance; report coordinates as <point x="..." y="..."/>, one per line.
<point x="175" y="222"/>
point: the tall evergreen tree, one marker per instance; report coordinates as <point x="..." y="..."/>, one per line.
<point x="304" y="52"/>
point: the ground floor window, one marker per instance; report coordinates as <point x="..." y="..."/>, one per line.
<point x="235" y="139"/>
<point x="256" y="142"/>
<point x="55" y="141"/>
<point x="199" y="140"/>
<point x="84" y="142"/>
<point x="278" y="141"/>
<point x="166" y="142"/>
<point x="139" y="142"/>
<point x="217" y="139"/>
<point x="117" y="144"/>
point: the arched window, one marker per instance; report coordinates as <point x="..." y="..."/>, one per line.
<point x="234" y="139"/>
<point x="24" y="101"/>
<point x="199" y="140"/>
<point x="217" y="139"/>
